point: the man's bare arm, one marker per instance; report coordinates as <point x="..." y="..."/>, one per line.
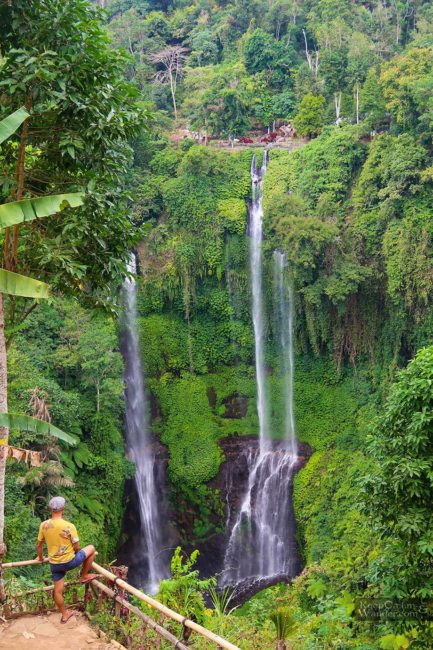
<point x="76" y="547"/>
<point x="39" y="546"/>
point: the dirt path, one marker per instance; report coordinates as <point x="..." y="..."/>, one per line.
<point x="46" y="633"/>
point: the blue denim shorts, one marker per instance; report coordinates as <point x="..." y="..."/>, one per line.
<point x="58" y="571"/>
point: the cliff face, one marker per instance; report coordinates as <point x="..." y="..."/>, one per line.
<point x="232" y="479"/>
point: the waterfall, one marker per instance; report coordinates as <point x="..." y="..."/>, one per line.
<point x="262" y="542"/>
<point x="256" y="236"/>
<point x="139" y="443"/>
<point x="284" y="323"/>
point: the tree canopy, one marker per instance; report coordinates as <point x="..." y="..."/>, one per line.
<point x="82" y="114"/>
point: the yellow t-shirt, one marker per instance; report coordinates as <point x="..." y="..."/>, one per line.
<point x="59" y="536"/>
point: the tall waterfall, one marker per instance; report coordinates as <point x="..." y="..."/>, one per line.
<point x="139" y="443"/>
<point x="256" y="236"/>
<point x="262" y="542"/>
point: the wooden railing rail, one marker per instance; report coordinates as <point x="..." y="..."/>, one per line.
<point x="14" y="565"/>
<point x="151" y="602"/>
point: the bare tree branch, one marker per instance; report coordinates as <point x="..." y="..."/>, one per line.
<point x="172" y="59"/>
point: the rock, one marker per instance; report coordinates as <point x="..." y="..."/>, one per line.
<point x="211" y="397"/>
<point x="236" y="406"/>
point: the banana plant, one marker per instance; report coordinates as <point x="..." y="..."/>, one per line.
<point x="15" y="284"/>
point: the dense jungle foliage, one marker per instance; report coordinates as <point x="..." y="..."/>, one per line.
<point x="352" y="212"/>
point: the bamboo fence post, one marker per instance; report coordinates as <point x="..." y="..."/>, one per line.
<point x="117" y="609"/>
<point x="186" y="633"/>
<point x="87" y="595"/>
<point x="119" y="572"/>
<point x="98" y="596"/>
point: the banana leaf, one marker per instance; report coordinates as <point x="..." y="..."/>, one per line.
<point x="15" y="284"/>
<point x="27" y="423"/>
<point x="43" y="206"/>
<point x="10" y="123"/>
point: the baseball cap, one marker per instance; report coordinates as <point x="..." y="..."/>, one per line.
<point x="56" y="504"/>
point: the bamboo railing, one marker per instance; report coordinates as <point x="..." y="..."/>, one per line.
<point x="117" y="594"/>
<point x="14" y="565"/>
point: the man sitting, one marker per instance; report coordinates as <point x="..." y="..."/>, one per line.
<point x="64" y="552"/>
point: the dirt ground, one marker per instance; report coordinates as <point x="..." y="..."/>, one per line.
<point x="46" y="633"/>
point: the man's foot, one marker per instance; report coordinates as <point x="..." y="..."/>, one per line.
<point x="88" y="578"/>
<point x="68" y="614"/>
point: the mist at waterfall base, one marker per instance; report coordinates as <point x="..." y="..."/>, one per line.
<point x="262" y="532"/>
<point x="151" y="563"/>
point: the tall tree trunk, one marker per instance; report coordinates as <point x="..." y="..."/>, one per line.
<point x="173" y="94"/>
<point x="337" y="100"/>
<point x="4" y="433"/>
<point x="6" y="249"/>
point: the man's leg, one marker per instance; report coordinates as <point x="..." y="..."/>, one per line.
<point x="90" y="556"/>
<point x="58" y="599"/>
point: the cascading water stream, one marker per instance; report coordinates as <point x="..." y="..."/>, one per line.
<point x="139" y="443"/>
<point x="262" y="542"/>
<point x="284" y="323"/>
<point x="256" y="236"/>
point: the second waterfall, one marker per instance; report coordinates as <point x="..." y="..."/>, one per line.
<point x="262" y="538"/>
<point x="153" y="564"/>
